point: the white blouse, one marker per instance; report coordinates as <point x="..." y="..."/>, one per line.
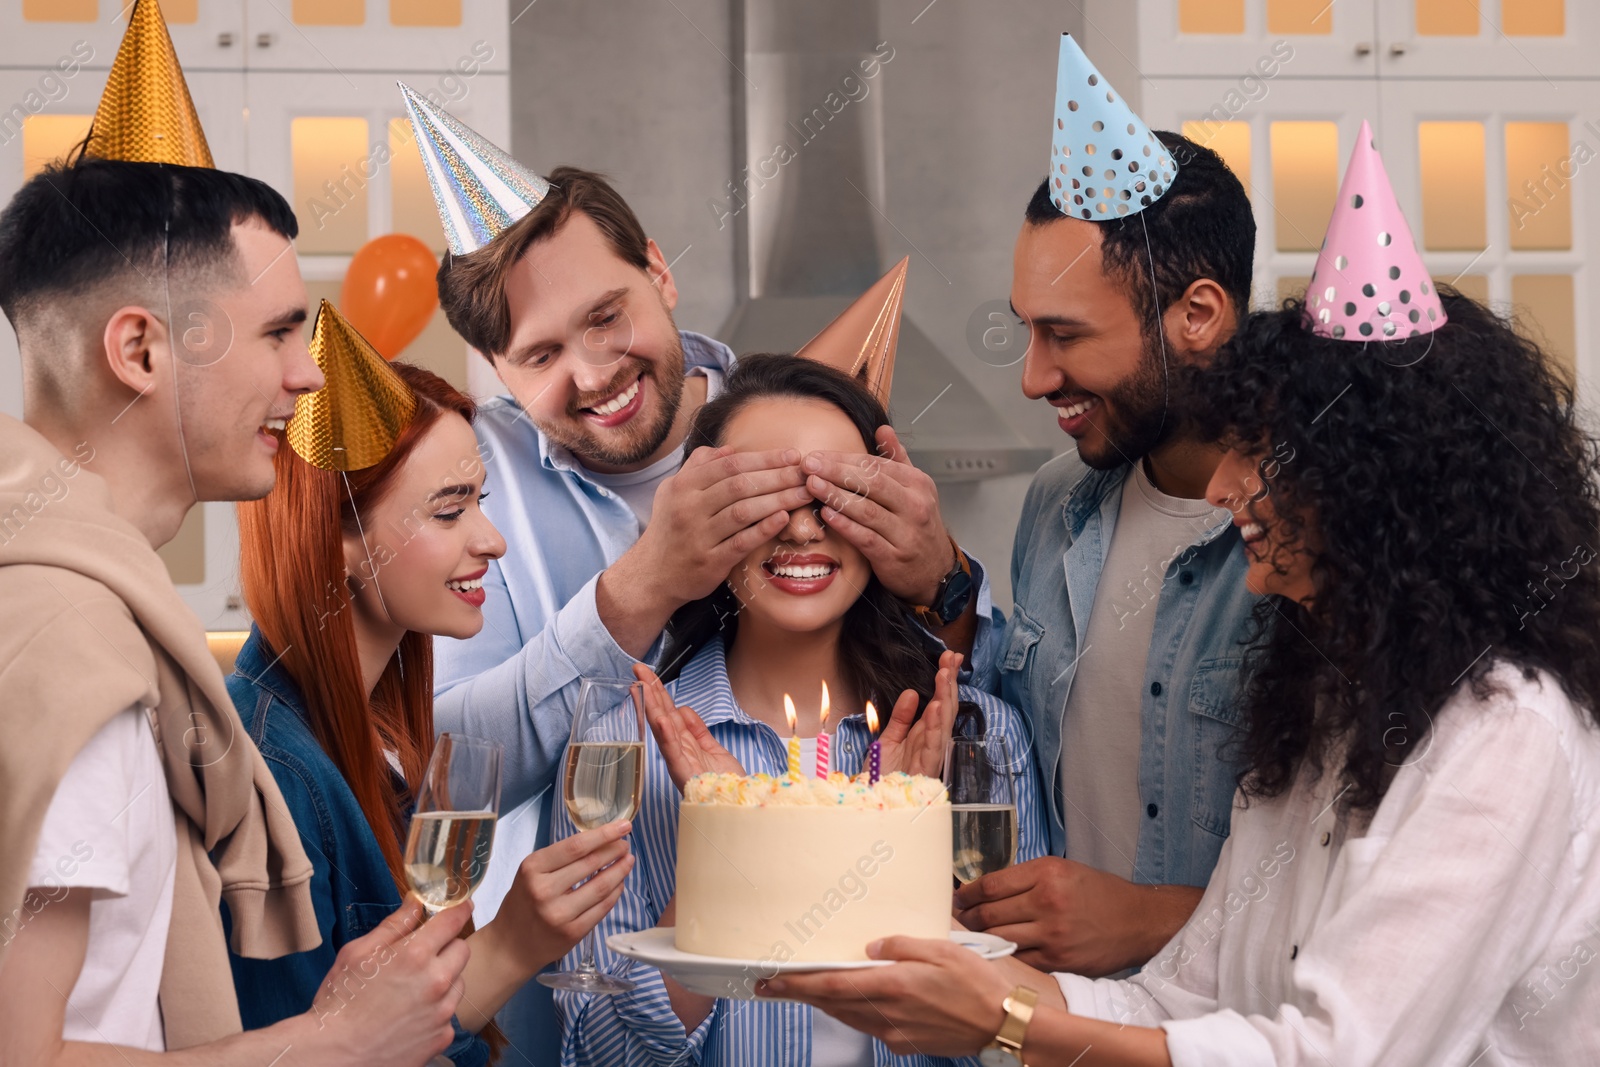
<point x="1460" y="926"/>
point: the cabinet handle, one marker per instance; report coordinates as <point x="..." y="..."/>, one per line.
<point x="224" y="40"/>
<point x="264" y="40"/>
<point x="1397" y="49"/>
<point x="1363" y="48"/>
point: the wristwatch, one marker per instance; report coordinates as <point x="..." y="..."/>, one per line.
<point x="1006" y="1048"/>
<point x="953" y="594"/>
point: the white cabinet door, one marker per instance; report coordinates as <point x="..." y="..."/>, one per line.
<point x="1236" y="38"/>
<point x="277" y="99"/>
<point x="213" y="39"/>
<point x="1494" y="179"/>
<point x="283" y="37"/>
<point x="1470" y="39"/>
<point x="1290" y="148"/>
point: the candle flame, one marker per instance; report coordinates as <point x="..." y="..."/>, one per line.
<point x="872" y="718"/>
<point x="825" y="706"/>
<point x="788" y="711"/>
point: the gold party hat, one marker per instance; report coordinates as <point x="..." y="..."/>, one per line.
<point x="146" y="114"/>
<point x="862" y="340"/>
<point x="353" y="421"/>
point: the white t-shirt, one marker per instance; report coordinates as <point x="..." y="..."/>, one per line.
<point x="1100" y="724"/>
<point x="638" y="488"/>
<point x="110" y="828"/>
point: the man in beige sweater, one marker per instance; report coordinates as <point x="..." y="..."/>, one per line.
<point x="159" y="311"/>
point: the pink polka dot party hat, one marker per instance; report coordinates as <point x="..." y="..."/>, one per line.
<point x="1369" y="283"/>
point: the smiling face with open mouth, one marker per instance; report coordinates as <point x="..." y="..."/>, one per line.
<point x="430" y="543"/>
<point x="594" y="356"/>
<point x="1088" y="355"/>
<point x="1279" y="560"/>
<point x="807" y="577"/>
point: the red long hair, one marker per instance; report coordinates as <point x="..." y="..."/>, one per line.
<point x="295" y="585"/>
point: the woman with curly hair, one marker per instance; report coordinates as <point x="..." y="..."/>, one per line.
<point x="1412" y="875"/>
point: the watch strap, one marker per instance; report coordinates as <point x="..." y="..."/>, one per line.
<point x="1019" y="1013"/>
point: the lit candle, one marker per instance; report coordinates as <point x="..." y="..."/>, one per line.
<point x="822" y="737"/>
<point x="794" y="737"/>
<point x="874" y="752"/>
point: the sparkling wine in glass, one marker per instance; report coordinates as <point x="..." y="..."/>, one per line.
<point x="983" y="806"/>
<point x="452" y="827"/>
<point x="603" y="782"/>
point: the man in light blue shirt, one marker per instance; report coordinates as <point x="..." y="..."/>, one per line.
<point x="610" y="529"/>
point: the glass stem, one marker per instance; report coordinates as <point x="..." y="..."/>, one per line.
<point x="586" y="966"/>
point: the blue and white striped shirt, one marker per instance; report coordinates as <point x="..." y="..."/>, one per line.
<point x="640" y="1027"/>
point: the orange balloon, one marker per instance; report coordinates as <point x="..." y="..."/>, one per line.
<point x="389" y="292"/>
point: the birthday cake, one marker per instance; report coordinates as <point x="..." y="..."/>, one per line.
<point x="777" y="869"/>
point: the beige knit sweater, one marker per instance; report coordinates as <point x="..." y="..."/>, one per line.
<point x="90" y="625"/>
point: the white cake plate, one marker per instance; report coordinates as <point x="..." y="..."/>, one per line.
<point x="717" y="976"/>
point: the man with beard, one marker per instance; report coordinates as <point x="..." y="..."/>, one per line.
<point x="610" y="527"/>
<point x="1127" y="669"/>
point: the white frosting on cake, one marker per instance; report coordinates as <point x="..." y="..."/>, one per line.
<point x="775" y="869"/>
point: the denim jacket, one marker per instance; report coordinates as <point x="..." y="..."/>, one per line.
<point x="351" y="886"/>
<point x="1189" y="707"/>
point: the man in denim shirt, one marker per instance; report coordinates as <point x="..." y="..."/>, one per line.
<point x="1124" y="645"/>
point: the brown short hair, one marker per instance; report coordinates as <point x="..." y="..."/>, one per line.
<point x="472" y="288"/>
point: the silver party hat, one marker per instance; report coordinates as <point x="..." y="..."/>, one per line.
<point x="479" y="189"/>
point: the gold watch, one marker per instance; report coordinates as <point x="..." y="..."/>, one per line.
<point x="1006" y="1048"/>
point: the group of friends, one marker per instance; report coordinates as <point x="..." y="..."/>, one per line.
<point x="1301" y="666"/>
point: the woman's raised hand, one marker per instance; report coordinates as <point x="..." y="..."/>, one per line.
<point x="563" y="889"/>
<point x="918" y="748"/>
<point x="685" y="743"/>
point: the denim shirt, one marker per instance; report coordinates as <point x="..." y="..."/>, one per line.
<point x="1188" y="708"/>
<point x="351" y="886"/>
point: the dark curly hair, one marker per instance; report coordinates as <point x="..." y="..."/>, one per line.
<point x="1447" y="495"/>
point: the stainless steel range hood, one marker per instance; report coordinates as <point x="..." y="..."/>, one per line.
<point x="809" y="138"/>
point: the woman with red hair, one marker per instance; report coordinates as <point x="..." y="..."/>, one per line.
<point x="348" y="576"/>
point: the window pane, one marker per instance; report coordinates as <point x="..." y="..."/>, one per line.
<point x="60" y="10"/>
<point x="46" y="138"/>
<point x="1543" y="305"/>
<point x="1448" y="18"/>
<point x="1305" y="182"/>
<point x="185" y="554"/>
<point x="1472" y="286"/>
<point x="1210" y="16"/>
<point x="330" y="192"/>
<point x="1230" y="140"/>
<point x="425" y="12"/>
<point x="1533" y="18"/>
<point x="330" y="12"/>
<point x="1299" y="16"/>
<point x="174" y="11"/>
<point x="1539" y="169"/>
<point x="1453" y="175"/>
<point x="411" y="198"/>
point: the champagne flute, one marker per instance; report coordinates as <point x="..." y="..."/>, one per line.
<point x="604" y="779"/>
<point x="452" y="826"/>
<point x="983" y="805"/>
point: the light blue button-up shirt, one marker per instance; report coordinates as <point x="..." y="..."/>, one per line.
<point x="639" y="1028"/>
<point x="1189" y="705"/>
<point x="517" y="681"/>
